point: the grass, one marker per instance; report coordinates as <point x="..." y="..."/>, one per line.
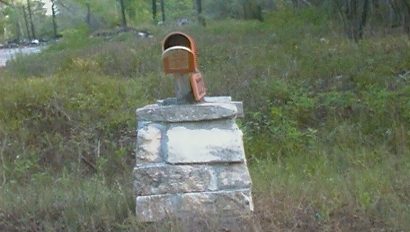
<point x="327" y="125"/>
<point x="342" y="190"/>
<point x="65" y="203"/>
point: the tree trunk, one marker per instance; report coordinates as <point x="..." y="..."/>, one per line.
<point x="201" y="18"/>
<point x="396" y="12"/>
<point x="252" y="10"/>
<point x="26" y="22"/>
<point x="53" y="11"/>
<point x="154" y="10"/>
<point x="88" y="17"/>
<point x="199" y="6"/>
<point x="352" y="19"/>
<point x="300" y="3"/>
<point x="163" y="10"/>
<point x="406" y="3"/>
<point x="270" y="4"/>
<point x="30" y="15"/>
<point x="363" y="20"/>
<point x="5" y="3"/>
<point x="123" y="18"/>
<point x="18" y="33"/>
<point x="295" y="3"/>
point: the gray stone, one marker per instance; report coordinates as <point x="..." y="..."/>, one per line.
<point x="227" y="99"/>
<point x="163" y="178"/>
<point x="187" y="145"/>
<point x="186" y="113"/>
<point x="228" y="203"/>
<point x="233" y="176"/>
<point x="167" y="101"/>
<point x="142" y="124"/>
<point x="218" y="99"/>
<point x="224" y="124"/>
<point x="239" y="108"/>
<point x="149" y="138"/>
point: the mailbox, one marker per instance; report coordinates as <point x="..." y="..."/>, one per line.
<point x="179" y="58"/>
<point x="179" y="54"/>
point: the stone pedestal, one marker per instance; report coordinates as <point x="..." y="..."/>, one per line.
<point x="190" y="161"/>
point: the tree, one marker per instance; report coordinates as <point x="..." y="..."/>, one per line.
<point x="198" y="6"/>
<point x="237" y="9"/>
<point x="88" y="16"/>
<point x="53" y="14"/>
<point x="30" y="15"/>
<point x="354" y="14"/>
<point x="18" y="32"/>
<point x="25" y="19"/>
<point x="401" y="9"/>
<point x="251" y="10"/>
<point x="363" y="19"/>
<point x="123" y="18"/>
<point x="26" y="22"/>
<point x="406" y="4"/>
<point x="300" y="3"/>
<point x="12" y="22"/>
<point x="162" y="10"/>
<point x="154" y="10"/>
<point x="5" y="2"/>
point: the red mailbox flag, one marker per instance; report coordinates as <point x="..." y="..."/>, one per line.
<point x="198" y="86"/>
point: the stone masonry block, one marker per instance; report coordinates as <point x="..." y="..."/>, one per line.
<point x="212" y="143"/>
<point x="149" y="136"/>
<point x="227" y="203"/>
<point x="161" y="179"/>
<point x="232" y="176"/>
<point x="187" y="113"/>
<point x="165" y="178"/>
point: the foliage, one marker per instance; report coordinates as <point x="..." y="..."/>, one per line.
<point x="237" y="9"/>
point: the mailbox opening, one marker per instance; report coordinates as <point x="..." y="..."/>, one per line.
<point x="177" y="39"/>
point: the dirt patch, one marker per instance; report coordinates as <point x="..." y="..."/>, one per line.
<point x="282" y="213"/>
<point x="348" y="219"/>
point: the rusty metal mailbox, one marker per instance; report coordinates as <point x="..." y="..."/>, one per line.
<point x="179" y="54"/>
<point x="179" y="58"/>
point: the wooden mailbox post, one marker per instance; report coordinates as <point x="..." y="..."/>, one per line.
<point x="179" y="58"/>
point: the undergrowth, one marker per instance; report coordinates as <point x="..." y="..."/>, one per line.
<point x="327" y="124"/>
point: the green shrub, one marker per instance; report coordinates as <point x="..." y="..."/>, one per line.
<point x="54" y="120"/>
